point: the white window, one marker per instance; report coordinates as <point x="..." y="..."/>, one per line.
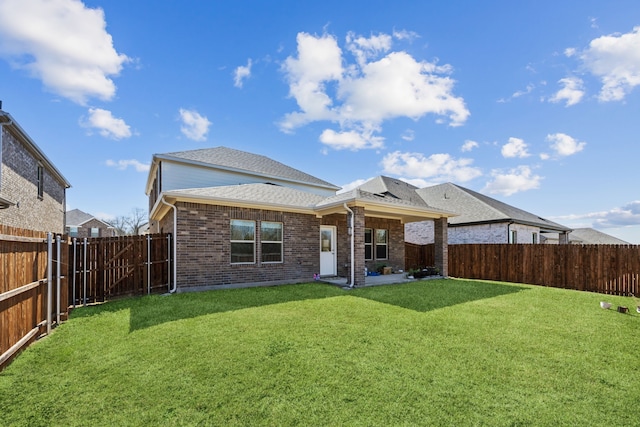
<point x="513" y="236"/>
<point x="381" y="244"/>
<point x="243" y="241"/>
<point x="73" y="231"/>
<point x="368" y="244"/>
<point x="271" y="241"/>
<point x="95" y="232"/>
<point x="535" y="238"/>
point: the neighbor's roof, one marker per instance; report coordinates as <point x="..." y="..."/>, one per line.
<point x="476" y="208"/>
<point x="590" y="236"/>
<point x="77" y="218"/>
<point x="242" y="161"/>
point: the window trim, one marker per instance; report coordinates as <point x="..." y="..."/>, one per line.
<point x="385" y="244"/>
<point x="231" y="241"/>
<point x="40" y="181"/>
<point x="280" y="242"/>
<point x="370" y="244"/>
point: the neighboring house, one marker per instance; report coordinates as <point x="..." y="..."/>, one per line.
<point x="32" y="189"/>
<point x="482" y="219"/>
<point x="588" y="236"/>
<point x="81" y="224"/>
<point x="240" y="218"/>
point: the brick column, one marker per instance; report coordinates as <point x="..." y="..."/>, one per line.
<point x="358" y="253"/>
<point x="441" y="239"/>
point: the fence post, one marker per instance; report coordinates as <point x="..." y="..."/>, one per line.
<point x="58" y="262"/>
<point x="49" y="279"/>
<point x="148" y="264"/>
<point x="74" y="272"/>
<point x="84" y="267"/>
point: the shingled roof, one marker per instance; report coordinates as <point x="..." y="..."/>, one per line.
<point x="242" y="161"/>
<point x="476" y="208"/>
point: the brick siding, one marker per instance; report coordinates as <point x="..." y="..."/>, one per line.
<point x="204" y="248"/>
<point x="19" y="184"/>
<point x="85" y="230"/>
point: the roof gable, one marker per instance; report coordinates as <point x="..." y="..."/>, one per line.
<point x="77" y="218"/>
<point x="591" y="236"/>
<point x="474" y="207"/>
<point x="390" y="187"/>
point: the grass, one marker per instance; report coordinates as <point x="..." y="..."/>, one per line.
<point x="437" y="352"/>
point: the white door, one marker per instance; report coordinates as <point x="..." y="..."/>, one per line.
<point x="328" y="250"/>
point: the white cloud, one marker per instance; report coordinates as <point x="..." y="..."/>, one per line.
<point x="625" y="216"/>
<point x="615" y="59"/>
<point x="241" y="74"/>
<point x="124" y="164"/>
<point x="405" y="35"/>
<point x="107" y="125"/>
<point x="194" y="126"/>
<point x="63" y="43"/>
<point x="366" y="48"/>
<point x="381" y="85"/>
<point x="572" y="91"/>
<point x="570" y="51"/>
<point x="353" y="184"/>
<point x="469" y="145"/>
<point x="437" y="167"/>
<point x="564" y="145"/>
<point x="350" y="140"/>
<point x="408" y="135"/>
<point x="528" y="90"/>
<point x="513" y="181"/>
<point x="516" y="147"/>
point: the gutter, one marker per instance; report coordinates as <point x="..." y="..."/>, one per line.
<point x="351" y="232"/>
<point x="175" y="245"/>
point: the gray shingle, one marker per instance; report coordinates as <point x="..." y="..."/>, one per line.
<point x="230" y="158"/>
<point x="266" y="194"/>
<point x="474" y="207"/>
<point x="75" y="218"/>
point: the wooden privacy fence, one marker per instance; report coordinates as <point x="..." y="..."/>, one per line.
<point x="607" y="269"/>
<point x="104" y="268"/>
<point x="33" y="288"/>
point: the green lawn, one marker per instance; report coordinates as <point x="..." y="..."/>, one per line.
<point x="436" y="352"/>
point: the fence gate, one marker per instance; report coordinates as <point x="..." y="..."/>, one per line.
<point x="107" y="267"/>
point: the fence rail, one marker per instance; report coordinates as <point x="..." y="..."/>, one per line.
<point x="105" y="268"/>
<point x="33" y="291"/>
<point x="42" y="276"/>
<point x="607" y="269"/>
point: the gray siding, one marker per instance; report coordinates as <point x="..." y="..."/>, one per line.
<point x="177" y="176"/>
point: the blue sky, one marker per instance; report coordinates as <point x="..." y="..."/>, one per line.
<point x="534" y="103"/>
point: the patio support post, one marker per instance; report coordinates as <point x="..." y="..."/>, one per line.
<point x="441" y="239"/>
<point x="563" y="238"/>
<point x="358" y="246"/>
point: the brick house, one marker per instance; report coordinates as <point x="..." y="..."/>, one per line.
<point x="80" y="224"/>
<point x="32" y="189"/>
<point x="244" y="219"/>
<point x="482" y="219"/>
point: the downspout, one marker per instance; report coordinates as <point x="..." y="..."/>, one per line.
<point x="175" y="245"/>
<point x="351" y="224"/>
<point x="1" y="132"/>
